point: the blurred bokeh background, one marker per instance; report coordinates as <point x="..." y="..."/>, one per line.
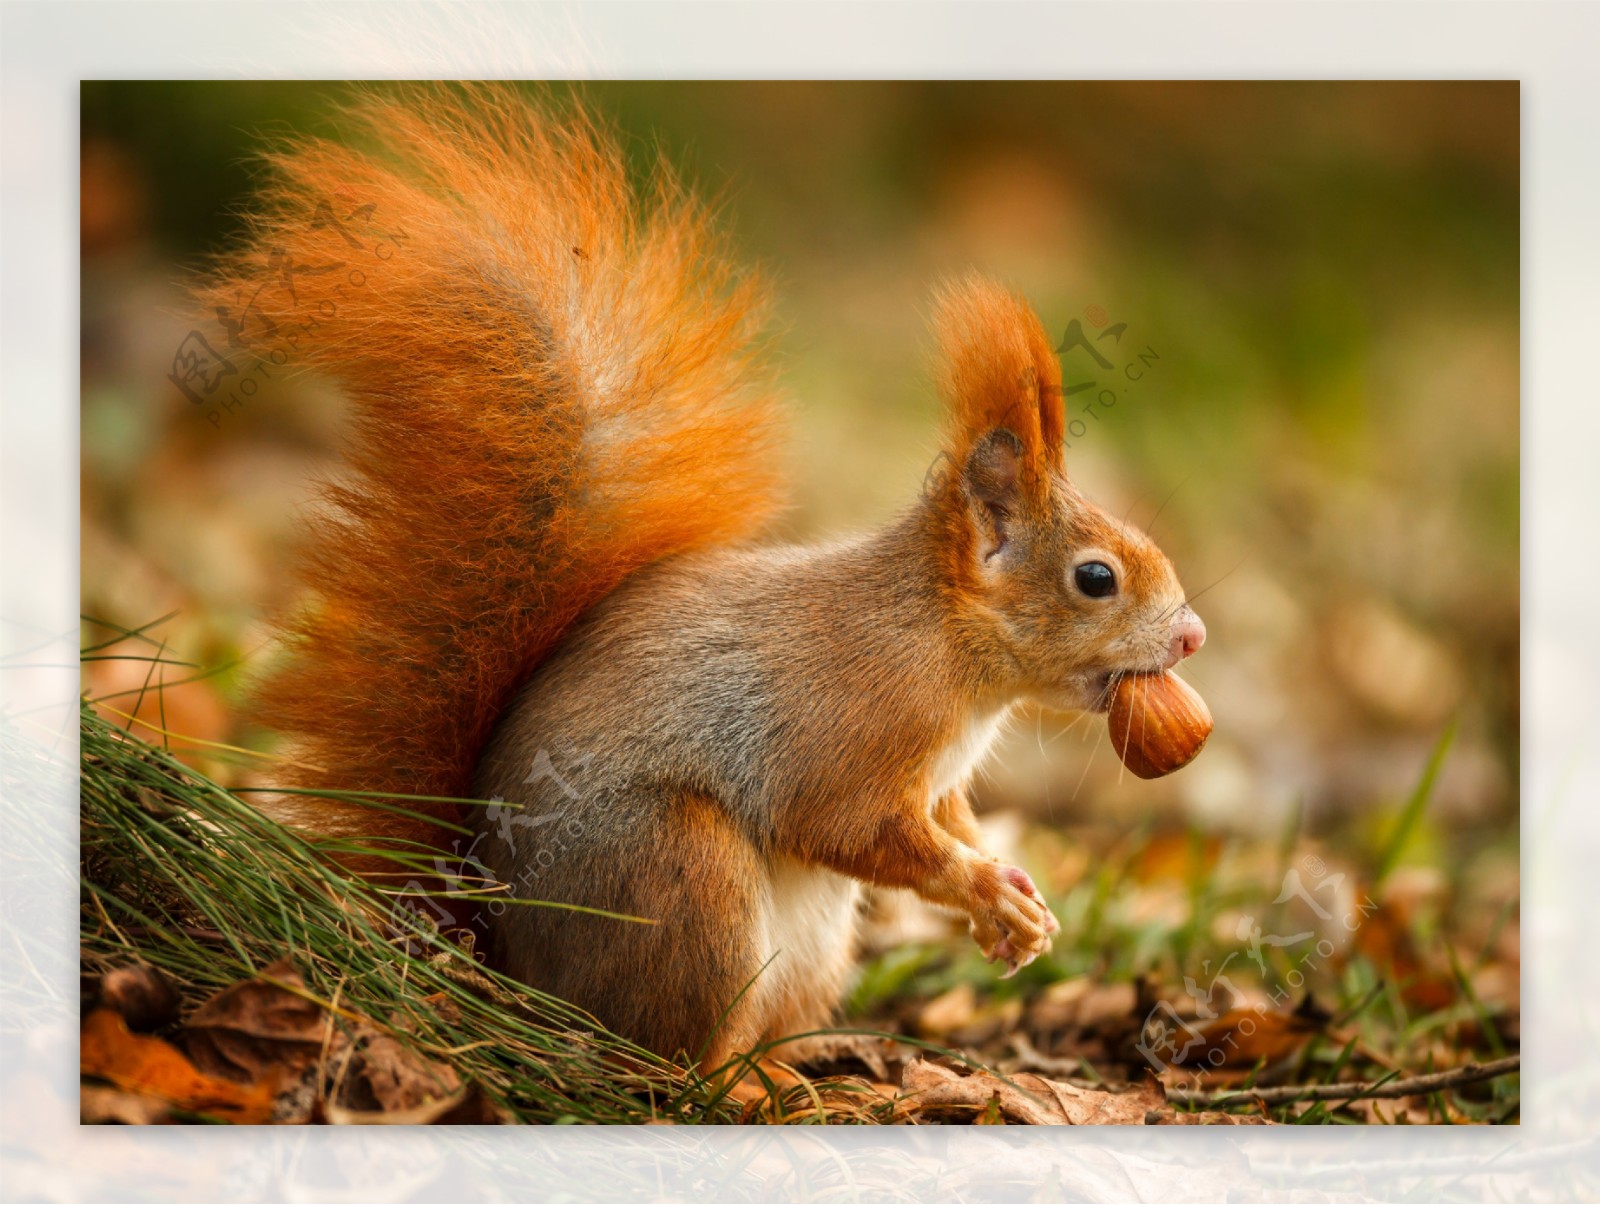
<point x="1322" y="279"/>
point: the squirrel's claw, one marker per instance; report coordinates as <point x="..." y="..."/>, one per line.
<point x="1018" y="927"/>
<point x="1016" y="962"/>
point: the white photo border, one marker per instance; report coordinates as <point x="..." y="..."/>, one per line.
<point x="47" y="48"/>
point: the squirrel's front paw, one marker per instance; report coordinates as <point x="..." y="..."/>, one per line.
<point x="1010" y="920"/>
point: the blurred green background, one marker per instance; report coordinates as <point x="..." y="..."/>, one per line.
<point x="1328" y="273"/>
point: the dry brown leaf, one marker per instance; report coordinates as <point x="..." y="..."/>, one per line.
<point x="262" y="1028"/>
<point x="958" y="1018"/>
<point x="935" y="1089"/>
<point x="258" y="1027"/>
<point x="1386" y="938"/>
<point x="1087" y="1106"/>
<point x="1083" y="1004"/>
<point x="1026" y="1099"/>
<point x="1244" y="1037"/>
<point x="386" y="1076"/>
<point x="841" y="1053"/>
<point x="948" y="1012"/>
<point x="148" y="1066"/>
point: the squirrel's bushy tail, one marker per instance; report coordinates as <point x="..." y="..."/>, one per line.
<point x="554" y="380"/>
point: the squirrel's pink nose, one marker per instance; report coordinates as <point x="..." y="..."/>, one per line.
<point x="1188" y="634"/>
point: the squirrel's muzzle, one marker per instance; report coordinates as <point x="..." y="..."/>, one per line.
<point x="1188" y="634"/>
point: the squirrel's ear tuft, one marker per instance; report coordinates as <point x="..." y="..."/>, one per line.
<point x="998" y="372"/>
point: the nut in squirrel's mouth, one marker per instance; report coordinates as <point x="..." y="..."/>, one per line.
<point x="1101" y="684"/>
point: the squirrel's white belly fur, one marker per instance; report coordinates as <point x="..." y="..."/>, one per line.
<point x="809" y="922"/>
<point x="810" y="932"/>
<point x="954" y="765"/>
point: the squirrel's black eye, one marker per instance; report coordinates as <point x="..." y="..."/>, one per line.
<point x="1096" y="579"/>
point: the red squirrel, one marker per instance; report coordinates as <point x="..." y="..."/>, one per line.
<point x="541" y="585"/>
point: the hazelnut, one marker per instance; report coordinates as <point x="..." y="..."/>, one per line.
<point x="1158" y="723"/>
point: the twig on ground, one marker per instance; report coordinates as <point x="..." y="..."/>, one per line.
<point x="1418" y="1085"/>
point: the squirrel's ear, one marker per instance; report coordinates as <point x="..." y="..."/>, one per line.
<point x="999" y="374"/>
<point x="993" y="480"/>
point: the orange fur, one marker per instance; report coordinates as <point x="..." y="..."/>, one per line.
<point x="553" y="381"/>
<point x="998" y="370"/>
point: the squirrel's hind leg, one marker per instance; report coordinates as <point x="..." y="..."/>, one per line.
<point x="687" y="985"/>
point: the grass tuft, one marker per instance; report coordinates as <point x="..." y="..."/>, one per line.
<point x="187" y="876"/>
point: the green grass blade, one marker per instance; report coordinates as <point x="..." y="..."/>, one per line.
<point x="1416" y="805"/>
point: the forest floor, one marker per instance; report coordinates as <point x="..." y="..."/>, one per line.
<point x="231" y="972"/>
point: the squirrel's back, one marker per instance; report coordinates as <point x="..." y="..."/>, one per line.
<point x="554" y="379"/>
<point x="741" y="670"/>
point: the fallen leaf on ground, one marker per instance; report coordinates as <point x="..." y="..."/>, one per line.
<point x="1083" y="1004"/>
<point x="258" y="1027"/>
<point x="1028" y="1099"/>
<point x="388" y="1077"/>
<point x="262" y="1050"/>
<point x="948" y="1012"/>
<point x="150" y="1067"/>
<point x="1243" y="1037"/>
<point x="847" y="1053"/>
